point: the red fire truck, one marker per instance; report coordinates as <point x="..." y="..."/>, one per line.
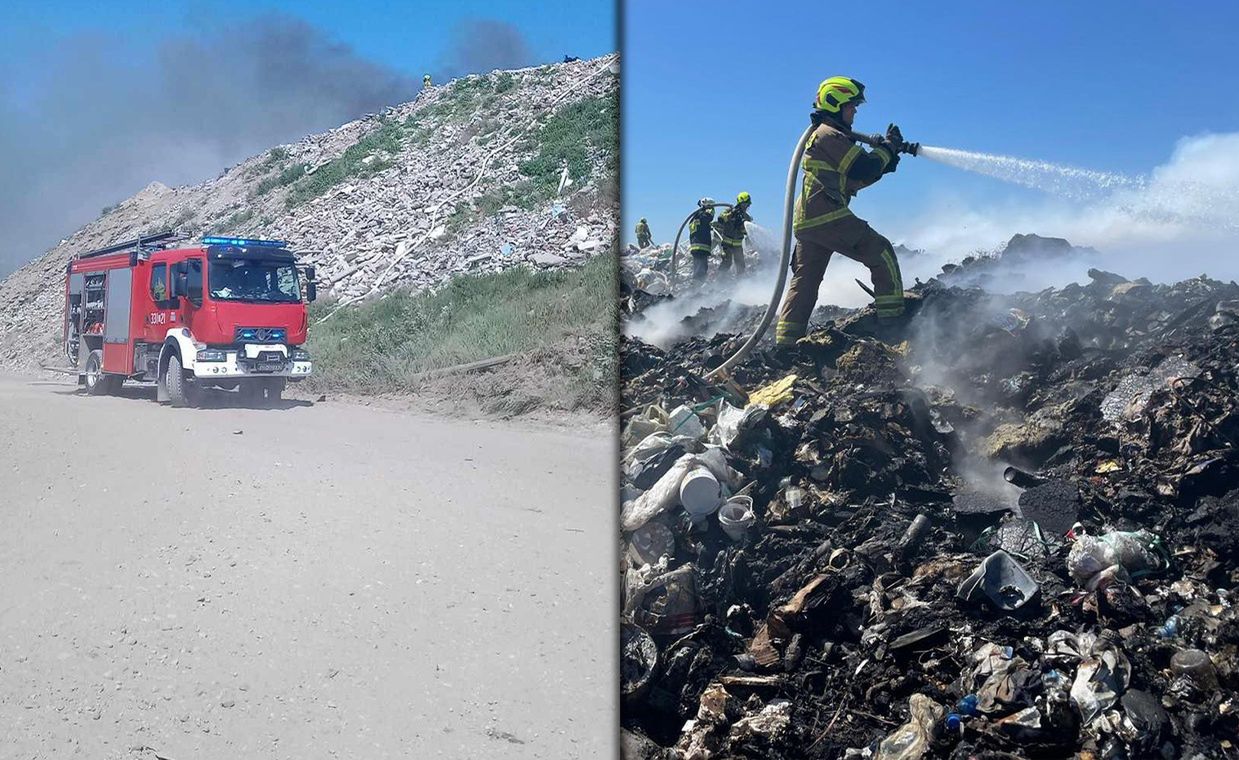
<point x="224" y="312"/>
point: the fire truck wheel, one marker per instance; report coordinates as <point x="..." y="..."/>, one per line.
<point x="97" y="383"/>
<point x="181" y="392"/>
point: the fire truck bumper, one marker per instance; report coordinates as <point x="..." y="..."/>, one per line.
<point x="232" y="368"/>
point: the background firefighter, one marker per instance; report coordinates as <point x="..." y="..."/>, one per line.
<point x="835" y="169"/>
<point x="644" y="238"/>
<point x="699" y="238"/>
<point x="731" y="232"/>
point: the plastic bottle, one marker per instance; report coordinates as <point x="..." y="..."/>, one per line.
<point x="967" y="706"/>
<point x="1170" y="628"/>
<point x="792" y="494"/>
<point x="953" y="722"/>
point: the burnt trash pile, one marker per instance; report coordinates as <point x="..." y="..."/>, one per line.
<point x="1007" y="527"/>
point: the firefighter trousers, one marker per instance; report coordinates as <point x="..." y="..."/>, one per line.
<point x="701" y="265"/>
<point x="732" y="255"/>
<point x="854" y="238"/>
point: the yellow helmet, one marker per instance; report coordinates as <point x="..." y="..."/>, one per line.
<point x="744" y="198"/>
<point x="836" y="92"/>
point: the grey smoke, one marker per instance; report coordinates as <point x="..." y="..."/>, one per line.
<point x="99" y="126"/>
<point x="481" y="45"/>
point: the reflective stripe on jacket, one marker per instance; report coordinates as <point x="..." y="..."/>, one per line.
<point x="730" y="226"/>
<point x="699" y="232"/>
<point x="835" y="169"/>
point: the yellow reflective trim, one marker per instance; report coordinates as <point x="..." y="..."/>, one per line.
<point x="822" y="219"/>
<point x="699" y="247"/>
<point x="892" y="266"/>
<point x="813" y="163"/>
<point x="848" y="158"/>
<point x="883" y="155"/>
<point x="844" y="165"/>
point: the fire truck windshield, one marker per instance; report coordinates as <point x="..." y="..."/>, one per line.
<point x="242" y="280"/>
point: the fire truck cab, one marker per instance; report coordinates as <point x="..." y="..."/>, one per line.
<point x="225" y="312"/>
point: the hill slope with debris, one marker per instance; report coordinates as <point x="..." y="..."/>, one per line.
<point x="479" y="175"/>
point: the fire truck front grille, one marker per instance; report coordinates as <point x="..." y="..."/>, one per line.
<point x="260" y="335"/>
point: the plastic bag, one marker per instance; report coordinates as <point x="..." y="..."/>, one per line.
<point x="734" y="422"/>
<point x="653" y="420"/>
<point x="1120" y="555"/>
<point x="684" y="421"/>
<point x="662" y="496"/>
<point x="912" y="739"/>
<point x="657" y="442"/>
<point x="665" y="494"/>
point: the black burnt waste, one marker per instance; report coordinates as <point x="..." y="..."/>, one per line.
<point x="1007" y="528"/>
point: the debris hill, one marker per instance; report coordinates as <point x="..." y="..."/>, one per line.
<point x="467" y="178"/>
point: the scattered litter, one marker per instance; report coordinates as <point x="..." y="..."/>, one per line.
<point x="1009" y="528"/>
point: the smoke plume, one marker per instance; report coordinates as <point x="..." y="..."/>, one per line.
<point x="480" y="46"/>
<point x="107" y="116"/>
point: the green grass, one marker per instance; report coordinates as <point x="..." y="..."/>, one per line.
<point x="381" y="346"/>
<point x="233" y="222"/>
<point x="286" y="177"/>
<point x="275" y="158"/>
<point x="384" y="140"/>
<point x="574" y="134"/>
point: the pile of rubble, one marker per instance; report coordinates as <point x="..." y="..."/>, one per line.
<point x="437" y="194"/>
<point x="1007" y="528"/>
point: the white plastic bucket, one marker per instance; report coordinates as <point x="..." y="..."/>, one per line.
<point x="700" y="493"/>
<point x="736" y="516"/>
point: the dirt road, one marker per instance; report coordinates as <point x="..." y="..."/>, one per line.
<point x="314" y="581"/>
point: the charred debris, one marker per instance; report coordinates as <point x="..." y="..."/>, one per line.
<point x="1007" y="528"/>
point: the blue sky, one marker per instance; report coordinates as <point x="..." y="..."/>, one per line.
<point x="715" y="97"/>
<point x="409" y="36"/>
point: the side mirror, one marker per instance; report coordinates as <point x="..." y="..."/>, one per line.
<point x="311" y="286"/>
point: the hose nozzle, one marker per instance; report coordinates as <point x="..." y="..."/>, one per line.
<point x="898" y="143"/>
<point x="894" y="138"/>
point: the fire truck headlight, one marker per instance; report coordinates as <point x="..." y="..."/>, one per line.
<point x="301" y="355"/>
<point x="212" y="355"/>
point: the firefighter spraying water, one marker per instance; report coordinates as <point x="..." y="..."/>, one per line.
<point x="835" y="169"/>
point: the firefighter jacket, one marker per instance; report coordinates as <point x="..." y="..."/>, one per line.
<point x="699" y="231"/>
<point x="835" y="169"/>
<point x="730" y="226"/>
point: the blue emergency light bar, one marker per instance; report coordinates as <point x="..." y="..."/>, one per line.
<point x="244" y="242"/>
